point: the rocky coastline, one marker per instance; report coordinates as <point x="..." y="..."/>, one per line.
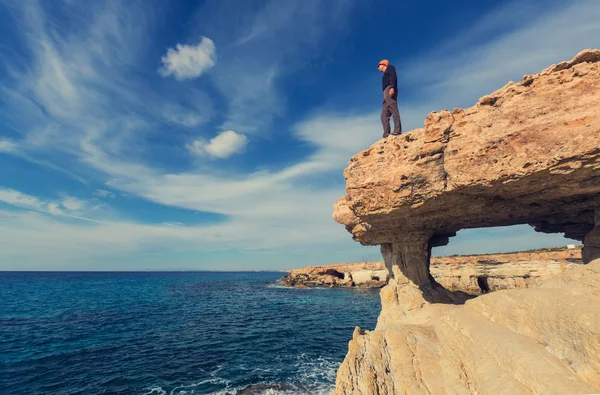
<point x="473" y="274"/>
<point x="349" y="275"/>
<point x="528" y="153"/>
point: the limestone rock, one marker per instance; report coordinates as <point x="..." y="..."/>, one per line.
<point x="467" y="273"/>
<point x="361" y="275"/>
<point x="526" y="154"/>
<point x="475" y="274"/>
<point x="521" y="341"/>
<point x="531" y="155"/>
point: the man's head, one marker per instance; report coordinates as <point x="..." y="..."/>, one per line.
<point x="383" y="65"/>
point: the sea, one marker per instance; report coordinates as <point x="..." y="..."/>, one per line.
<point x="159" y="333"/>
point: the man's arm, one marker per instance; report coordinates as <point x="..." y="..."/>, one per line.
<point x="393" y="80"/>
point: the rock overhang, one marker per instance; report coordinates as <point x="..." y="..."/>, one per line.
<point x="526" y="154"/>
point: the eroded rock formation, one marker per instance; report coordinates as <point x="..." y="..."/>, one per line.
<point x="474" y="274"/>
<point x="361" y="275"/>
<point x="526" y="154"/>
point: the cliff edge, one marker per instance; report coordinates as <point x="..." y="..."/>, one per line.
<point x="526" y="154"/>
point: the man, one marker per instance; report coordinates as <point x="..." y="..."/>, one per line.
<point x="390" y="105"/>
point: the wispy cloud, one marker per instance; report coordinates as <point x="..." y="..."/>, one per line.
<point x="80" y="100"/>
<point x="527" y="37"/>
<point x="7" y="146"/>
<point x="105" y="135"/>
<point x="19" y="199"/>
<point x="78" y="106"/>
<point x="189" y="61"/>
<point x="27" y="236"/>
<point x="179" y="115"/>
<point x="104" y="193"/>
<point x="222" y="146"/>
<point x="264" y="46"/>
<point x="73" y="204"/>
<point x="68" y="206"/>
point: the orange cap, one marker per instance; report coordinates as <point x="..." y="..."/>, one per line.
<point x="384" y="62"/>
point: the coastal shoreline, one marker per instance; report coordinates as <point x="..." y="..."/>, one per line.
<point x="474" y="274"/>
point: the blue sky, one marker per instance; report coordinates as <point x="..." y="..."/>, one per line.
<point x="213" y="134"/>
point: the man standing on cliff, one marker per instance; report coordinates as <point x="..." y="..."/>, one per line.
<point x="390" y="105"/>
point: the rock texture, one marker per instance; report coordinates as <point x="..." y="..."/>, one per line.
<point x="526" y="154"/>
<point x="361" y="274"/>
<point x="473" y="274"/>
<point x="476" y="274"/>
<point x="523" y="341"/>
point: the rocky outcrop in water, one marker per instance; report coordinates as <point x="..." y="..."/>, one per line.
<point x="526" y="154"/>
<point x="360" y="275"/>
<point x="473" y="274"/>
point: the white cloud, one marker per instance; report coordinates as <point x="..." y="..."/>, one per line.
<point x="271" y="42"/>
<point x="180" y="116"/>
<point x="189" y="61"/>
<point x="68" y="206"/>
<point x="104" y="193"/>
<point x="253" y="97"/>
<point x="222" y="146"/>
<point x="54" y="209"/>
<point x="95" y="119"/>
<point x="30" y="235"/>
<point x="73" y="204"/>
<point x="7" y="146"/>
<point x="16" y="198"/>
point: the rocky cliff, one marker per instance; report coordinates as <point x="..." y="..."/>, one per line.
<point x="474" y="274"/>
<point x="526" y="154"/>
<point x="477" y="274"/>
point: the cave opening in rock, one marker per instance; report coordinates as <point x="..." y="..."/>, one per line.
<point x="334" y="273"/>
<point x="482" y="282"/>
<point x="479" y="261"/>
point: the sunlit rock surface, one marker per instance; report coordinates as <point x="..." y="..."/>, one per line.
<point x="473" y="274"/>
<point x="526" y="154"/>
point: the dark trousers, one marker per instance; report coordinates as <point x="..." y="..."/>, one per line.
<point x="389" y="109"/>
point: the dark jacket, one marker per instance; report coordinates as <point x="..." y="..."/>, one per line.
<point x="390" y="78"/>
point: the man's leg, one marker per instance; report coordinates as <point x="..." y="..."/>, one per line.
<point x="392" y="105"/>
<point x="385" y="118"/>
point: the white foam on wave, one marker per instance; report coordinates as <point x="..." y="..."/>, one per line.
<point x="321" y="367"/>
<point x="188" y="388"/>
<point x="304" y="289"/>
<point x="191" y="388"/>
<point x="315" y="376"/>
<point x="156" y="391"/>
<point x="325" y="390"/>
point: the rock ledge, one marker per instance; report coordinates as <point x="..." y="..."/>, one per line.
<point x="526" y="154"/>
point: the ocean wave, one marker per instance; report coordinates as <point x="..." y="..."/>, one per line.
<point x="315" y="376"/>
<point x="194" y="388"/>
<point x="279" y="286"/>
<point x="156" y="391"/>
